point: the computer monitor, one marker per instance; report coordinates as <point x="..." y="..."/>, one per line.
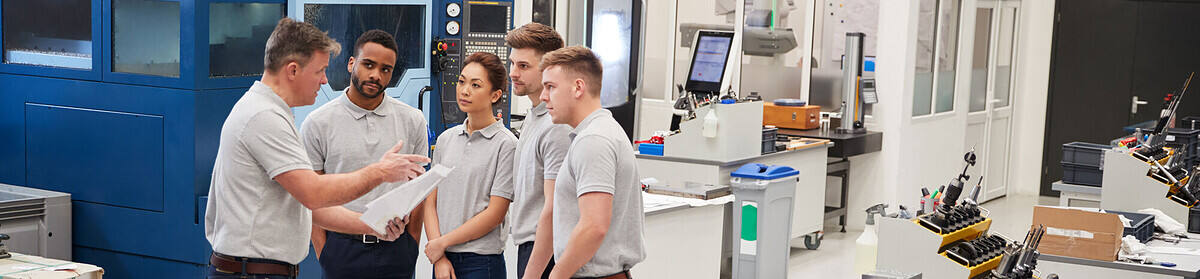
<point x="709" y="56"/>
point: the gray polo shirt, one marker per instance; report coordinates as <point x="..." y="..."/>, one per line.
<point x="601" y="160"/>
<point x="482" y="162"/>
<point x="342" y="137"/>
<point x="249" y="214"/>
<point x="540" y="153"/>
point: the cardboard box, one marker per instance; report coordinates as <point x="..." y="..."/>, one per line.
<point x="800" y="118"/>
<point x="1079" y="233"/>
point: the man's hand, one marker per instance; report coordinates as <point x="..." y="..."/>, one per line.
<point x="400" y="167"/>
<point x="442" y="269"/>
<point x="395" y="228"/>
<point x="435" y="249"/>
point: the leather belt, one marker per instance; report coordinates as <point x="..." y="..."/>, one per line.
<point x="239" y="265"/>
<point x="619" y="275"/>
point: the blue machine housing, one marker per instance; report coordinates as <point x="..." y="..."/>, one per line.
<point x="135" y="151"/>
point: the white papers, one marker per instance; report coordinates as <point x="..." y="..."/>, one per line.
<point x="1173" y="250"/>
<point x="402" y="200"/>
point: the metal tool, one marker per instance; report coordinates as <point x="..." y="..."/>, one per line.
<point x="1020" y="258"/>
<point x="949" y="217"/>
<point x="852" y="110"/>
<point x="4" y="248"/>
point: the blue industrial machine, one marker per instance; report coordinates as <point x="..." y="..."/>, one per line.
<point x="121" y="102"/>
<point x="463" y="28"/>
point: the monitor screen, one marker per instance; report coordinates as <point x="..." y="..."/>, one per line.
<point x="489" y="19"/>
<point x="711" y="52"/>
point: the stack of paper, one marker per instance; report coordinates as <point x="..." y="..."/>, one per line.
<point x="402" y="200"/>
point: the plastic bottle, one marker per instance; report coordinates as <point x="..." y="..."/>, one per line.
<point x="867" y="245"/>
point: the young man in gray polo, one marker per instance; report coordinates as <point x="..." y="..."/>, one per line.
<point x="344" y="135"/>
<point x="597" y="214"/>
<point x="540" y="149"/>
<point x="263" y="187"/>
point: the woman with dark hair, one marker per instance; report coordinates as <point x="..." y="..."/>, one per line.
<point x="464" y="216"/>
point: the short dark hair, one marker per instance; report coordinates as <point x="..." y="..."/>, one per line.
<point x="496" y="74"/>
<point x="375" y="36"/>
<point x="294" y="41"/>
<point x="536" y="36"/>
<point x="577" y="60"/>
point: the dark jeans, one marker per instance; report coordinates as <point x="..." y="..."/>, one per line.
<point x="214" y="274"/>
<point x="523" y="252"/>
<point x="476" y="266"/>
<point x="347" y="257"/>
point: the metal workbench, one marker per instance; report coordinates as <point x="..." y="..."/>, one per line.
<point x="844" y="147"/>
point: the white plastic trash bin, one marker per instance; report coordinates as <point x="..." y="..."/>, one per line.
<point x="762" y="218"/>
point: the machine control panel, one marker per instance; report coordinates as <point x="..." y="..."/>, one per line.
<point x="470" y="27"/>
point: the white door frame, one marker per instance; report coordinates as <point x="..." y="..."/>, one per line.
<point x="990" y="114"/>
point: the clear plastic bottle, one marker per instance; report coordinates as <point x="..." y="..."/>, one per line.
<point x="866" y="246"/>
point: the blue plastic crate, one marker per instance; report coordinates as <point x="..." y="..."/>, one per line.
<point x="1142" y="225"/>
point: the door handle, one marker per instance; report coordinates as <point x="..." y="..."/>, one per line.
<point x="1136" y="102"/>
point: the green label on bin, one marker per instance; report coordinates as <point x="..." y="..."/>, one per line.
<point x="748" y="244"/>
<point x="750" y="221"/>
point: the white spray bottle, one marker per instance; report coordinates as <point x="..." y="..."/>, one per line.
<point x="867" y="245"/>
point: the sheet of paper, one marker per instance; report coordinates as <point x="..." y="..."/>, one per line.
<point x="402" y="200"/>
<point x="1173" y="250"/>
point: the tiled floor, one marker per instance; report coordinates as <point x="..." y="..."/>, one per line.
<point x="835" y="258"/>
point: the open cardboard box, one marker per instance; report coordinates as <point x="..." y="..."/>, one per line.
<point x="1079" y="233"/>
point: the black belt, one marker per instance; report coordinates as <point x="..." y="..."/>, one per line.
<point x="365" y="238"/>
<point x="241" y="265"/>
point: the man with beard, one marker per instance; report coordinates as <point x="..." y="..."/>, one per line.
<point x="343" y="135"/>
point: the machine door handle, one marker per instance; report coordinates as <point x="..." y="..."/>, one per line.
<point x="1136" y="102"/>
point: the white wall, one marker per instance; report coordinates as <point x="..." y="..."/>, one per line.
<point x="877" y="177"/>
<point x="1033" y="83"/>
<point x="927" y="151"/>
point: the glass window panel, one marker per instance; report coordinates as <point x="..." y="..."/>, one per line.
<point x="612" y="33"/>
<point x="947" y="53"/>
<point x="32" y="37"/>
<point x="346" y="22"/>
<point x="1004" y="52"/>
<point x="543" y="12"/>
<point x="923" y="85"/>
<point x="145" y="37"/>
<point x="979" y="60"/>
<point x="237" y="33"/>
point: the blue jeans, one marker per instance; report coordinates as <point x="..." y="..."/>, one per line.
<point x="214" y="274"/>
<point x="476" y="266"/>
<point x="345" y="256"/>
<point x="523" y="252"/>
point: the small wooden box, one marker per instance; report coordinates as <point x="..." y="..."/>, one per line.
<point x="802" y="118"/>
